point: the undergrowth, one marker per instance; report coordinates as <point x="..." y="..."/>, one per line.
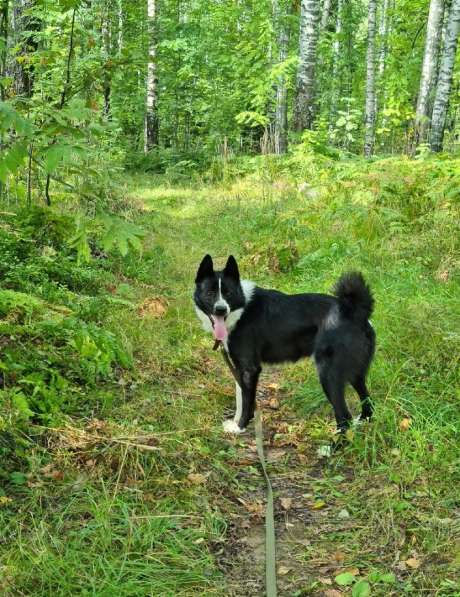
<point x="114" y="471"/>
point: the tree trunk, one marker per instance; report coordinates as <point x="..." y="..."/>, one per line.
<point x="430" y="57"/>
<point x="441" y="101"/>
<point x="106" y="55"/>
<point x="151" y="115"/>
<point x="3" y="45"/>
<point x="280" y="124"/>
<point x="304" y="109"/>
<point x="369" y="121"/>
<point x="336" y="70"/>
<point x="120" y="26"/>
<point x="24" y="27"/>
<point x="326" y="11"/>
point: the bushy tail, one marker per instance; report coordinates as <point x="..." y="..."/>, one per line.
<point x="354" y="296"/>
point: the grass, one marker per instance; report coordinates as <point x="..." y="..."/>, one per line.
<point x="134" y="491"/>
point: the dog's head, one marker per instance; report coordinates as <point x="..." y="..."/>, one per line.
<point x="218" y="294"/>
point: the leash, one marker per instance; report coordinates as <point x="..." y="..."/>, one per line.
<point x="270" y="542"/>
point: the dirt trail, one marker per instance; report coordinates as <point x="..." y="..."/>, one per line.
<point x="307" y="527"/>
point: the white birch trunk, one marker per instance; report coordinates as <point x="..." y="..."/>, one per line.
<point x="336" y="92"/>
<point x="151" y="117"/>
<point x="383" y="39"/>
<point x="120" y="26"/>
<point x="280" y="124"/>
<point x="369" y="118"/>
<point x="326" y="11"/>
<point x="441" y="101"/>
<point x="430" y="57"/>
<point x="106" y="35"/>
<point x="304" y="109"/>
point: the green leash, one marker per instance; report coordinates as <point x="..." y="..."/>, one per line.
<point x="270" y="549"/>
<point x="270" y="545"/>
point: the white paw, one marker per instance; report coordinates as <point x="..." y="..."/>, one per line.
<point x="231" y="426"/>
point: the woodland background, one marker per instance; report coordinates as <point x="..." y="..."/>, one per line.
<point x="306" y="138"/>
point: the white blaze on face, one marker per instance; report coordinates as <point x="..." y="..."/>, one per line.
<point x="220" y="328"/>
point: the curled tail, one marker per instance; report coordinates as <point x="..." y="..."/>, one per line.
<point x="355" y="298"/>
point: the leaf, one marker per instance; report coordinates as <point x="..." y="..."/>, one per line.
<point x="319" y="504"/>
<point x="361" y="589"/>
<point x="196" y="478"/>
<point x="413" y="563"/>
<point x="345" y="579"/>
<point x="283" y="570"/>
<point x="404" y="424"/>
<point x="388" y="578"/>
<point x="153" y="307"/>
<point x="286" y="503"/>
<point x="20" y="402"/>
<point x="18" y="478"/>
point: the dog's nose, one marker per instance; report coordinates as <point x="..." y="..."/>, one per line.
<point x="220" y="310"/>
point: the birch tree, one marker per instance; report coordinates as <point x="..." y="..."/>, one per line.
<point x="369" y="119"/>
<point x="106" y="51"/>
<point x="325" y="13"/>
<point x="304" y="109"/>
<point x="430" y="57"/>
<point x="336" y="78"/>
<point x="4" y="5"/>
<point x="441" y="101"/>
<point x="151" y="109"/>
<point x="282" y="34"/>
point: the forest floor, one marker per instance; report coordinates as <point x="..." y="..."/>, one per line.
<point x="148" y="496"/>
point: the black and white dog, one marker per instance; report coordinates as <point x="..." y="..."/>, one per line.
<point x="258" y="326"/>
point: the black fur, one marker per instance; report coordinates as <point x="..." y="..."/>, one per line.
<point x="275" y="327"/>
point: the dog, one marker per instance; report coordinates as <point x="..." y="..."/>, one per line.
<point x="258" y="326"/>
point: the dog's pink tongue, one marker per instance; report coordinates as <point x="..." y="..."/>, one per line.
<point x="220" y="331"/>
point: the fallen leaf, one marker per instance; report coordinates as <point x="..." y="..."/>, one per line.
<point x="354" y="571"/>
<point x="196" y="478"/>
<point x="345" y="579"/>
<point x="153" y="307"/>
<point x="283" y="570"/>
<point x="338" y="556"/>
<point x="318" y="505"/>
<point x="273" y="386"/>
<point x="404" y="424"/>
<point x="325" y="581"/>
<point x="443" y="276"/>
<point x="275" y="454"/>
<point x="332" y="593"/>
<point x="413" y="563"/>
<point x="274" y="403"/>
<point x="286" y="503"/>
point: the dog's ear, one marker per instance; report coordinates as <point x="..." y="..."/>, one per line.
<point x="231" y="269"/>
<point x="206" y="269"/>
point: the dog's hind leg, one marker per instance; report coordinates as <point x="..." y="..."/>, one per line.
<point x="334" y="388"/>
<point x="359" y="385"/>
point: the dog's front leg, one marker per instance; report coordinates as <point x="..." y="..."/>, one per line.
<point x="245" y="401"/>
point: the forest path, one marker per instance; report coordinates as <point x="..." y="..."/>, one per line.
<point x="312" y="522"/>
